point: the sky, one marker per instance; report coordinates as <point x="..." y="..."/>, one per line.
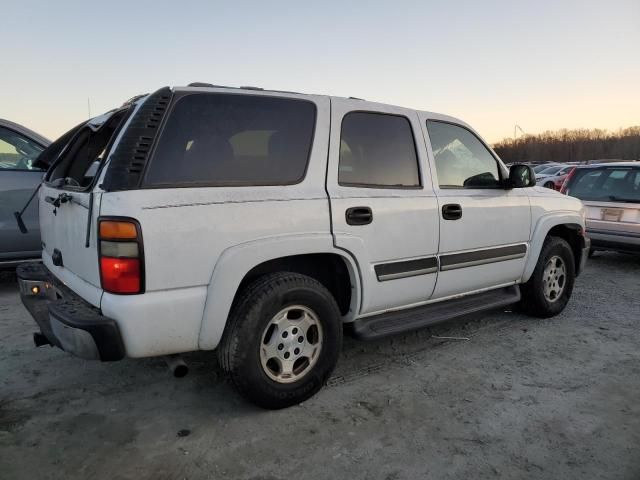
<point x="540" y="64"/>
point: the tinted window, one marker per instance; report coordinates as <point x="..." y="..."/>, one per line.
<point x="610" y="184"/>
<point x="17" y="152"/>
<point x="377" y="150"/>
<point x="461" y="158"/>
<point x="222" y="139"/>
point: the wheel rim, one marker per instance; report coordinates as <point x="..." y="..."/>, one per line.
<point x="291" y="344"/>
<point x="554" y="278"/>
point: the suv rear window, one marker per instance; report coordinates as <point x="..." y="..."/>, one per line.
<point x="227" y="139"/>
<point x="621" y="184"/>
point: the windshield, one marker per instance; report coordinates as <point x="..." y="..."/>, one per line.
<point x="619" y="184"/>
<point x="540" y="168"/>
<point x="551" y="170"/>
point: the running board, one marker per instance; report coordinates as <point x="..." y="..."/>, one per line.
<point x="405" y="320"/>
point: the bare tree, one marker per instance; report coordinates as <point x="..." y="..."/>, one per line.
<point x="572" y="146"/>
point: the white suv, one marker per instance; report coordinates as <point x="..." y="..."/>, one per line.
<point x="258" y="223"/>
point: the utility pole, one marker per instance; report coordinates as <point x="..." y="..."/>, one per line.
<point x="517" y="127"/>
<point x="89" y="106"/>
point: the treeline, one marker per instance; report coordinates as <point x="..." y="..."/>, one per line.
<point x="572" y="146"/>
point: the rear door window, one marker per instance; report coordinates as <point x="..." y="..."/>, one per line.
<point x="377" y="150"/>
<point x="226" y="139"/>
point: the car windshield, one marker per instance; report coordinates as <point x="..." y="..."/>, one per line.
<point x="615" y="184"/>
<point x="551" y="170"/>
<point x="540" y="168"/>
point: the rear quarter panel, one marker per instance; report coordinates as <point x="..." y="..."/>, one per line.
<point x="186" y="230"/>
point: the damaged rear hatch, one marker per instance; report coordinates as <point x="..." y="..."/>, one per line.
<point x="70" y="201"/>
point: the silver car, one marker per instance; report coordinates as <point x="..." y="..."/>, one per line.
<point x="611" y="193"/>
<point x="19" y="176"/>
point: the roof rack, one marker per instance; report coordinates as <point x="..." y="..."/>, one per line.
<point x="205" y="85"/>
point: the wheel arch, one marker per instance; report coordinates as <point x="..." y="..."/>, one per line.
<point x="312" y="255"/>
<point x="567" y="225"/>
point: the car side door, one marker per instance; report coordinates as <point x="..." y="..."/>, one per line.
<point x="383" y="208"/>
<point x="18" y="179"/>
<point x="484" y="227"/>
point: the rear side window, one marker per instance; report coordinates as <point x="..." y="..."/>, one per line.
<point x="226" y="139"/>
<point x="377" y="150"/>
<point x="608" y="184"/>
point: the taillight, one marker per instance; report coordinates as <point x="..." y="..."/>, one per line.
<point x="565" y="184"/>
<point x="120" y="251"/>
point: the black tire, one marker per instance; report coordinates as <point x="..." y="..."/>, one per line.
<point x="239" y="351"/>
<point x="550" y="185"/>
<point x="533" y="300"/>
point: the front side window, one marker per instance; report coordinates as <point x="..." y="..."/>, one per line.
<point x="226" y="139"/>
<point x="462" y="160"/>
<point x="377" y="150"/>
<point x="17" y="152"/>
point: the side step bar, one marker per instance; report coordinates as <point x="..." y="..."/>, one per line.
<point x="412" y="319"/>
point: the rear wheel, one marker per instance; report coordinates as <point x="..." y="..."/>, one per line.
<point x="282" y="341"/>
<point x="548" y="290"/>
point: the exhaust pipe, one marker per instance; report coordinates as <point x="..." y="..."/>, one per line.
<point x="40" y="339"/>
<point x="177" y="365"/>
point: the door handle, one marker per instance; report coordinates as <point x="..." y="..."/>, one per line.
<point x="359" y="216"/>
<point x="451" y="211"/>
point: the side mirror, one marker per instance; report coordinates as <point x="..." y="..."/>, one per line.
<point x="521" y="176"/>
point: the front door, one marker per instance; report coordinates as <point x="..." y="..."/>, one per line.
<point x="383" y="209"/>
<point x="484" y="228"/>
<point x="18" y="180"/>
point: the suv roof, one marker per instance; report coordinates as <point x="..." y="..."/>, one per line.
<point x="201" y="86"/>
<point x="630" y="163"/>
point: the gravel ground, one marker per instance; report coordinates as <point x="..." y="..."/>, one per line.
<point x="521" y="398"/>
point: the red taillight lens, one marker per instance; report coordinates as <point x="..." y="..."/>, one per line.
<point x="120" y="275"/>
<point x="121" y="262"/>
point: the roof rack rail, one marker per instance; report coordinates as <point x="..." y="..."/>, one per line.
<point x="251" y="88"/>
<point x="205" y="85"/>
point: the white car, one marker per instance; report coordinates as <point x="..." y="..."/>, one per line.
<point x="257" y="223"/>
<point x="552" y="177"/>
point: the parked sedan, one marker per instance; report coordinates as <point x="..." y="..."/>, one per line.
<point x="611" y="195"/>
<point x="19" y="176"/>
<point x="553" y="177"/>
<point x="543" y="166"/>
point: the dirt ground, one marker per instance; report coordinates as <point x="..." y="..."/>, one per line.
<point x="521" y="398"/>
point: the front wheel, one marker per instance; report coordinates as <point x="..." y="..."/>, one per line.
<point x="550" y="185"/>
<point x="548" y="290"/>
<point x="283" y="340"/>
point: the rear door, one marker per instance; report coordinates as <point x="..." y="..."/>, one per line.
<point x="70" y="202"/>
<point x="383" y="208"/>
<point x="484" y="228"/>
<point x="18" y="179"/>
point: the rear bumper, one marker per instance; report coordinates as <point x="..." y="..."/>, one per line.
<point x="65" y="319"/>
<point x="615" y="240"/>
